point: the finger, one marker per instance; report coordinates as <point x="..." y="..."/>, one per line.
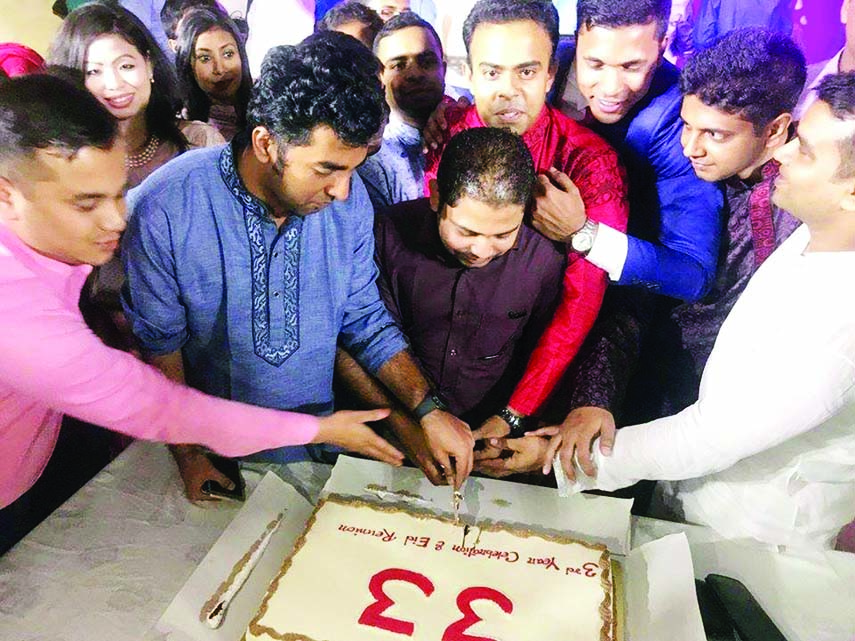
<point x="487" y="453"/>
<point x="382" y="450"/>
<point x="444" y="466"/>
<point x="586" y="462"/>
<point x="490" y="430"/>
<point x="213" y="474"/>
<point x="495" y="467"/>
<point x="549" y="430"/>
<point x="431" y="471"/>
<point x="463" y="467"/>
<point x="554" y="443"/>
<point x="607" y="442"/>
<point x="567" y="453"/>
<point x="561" y="180"/>
<point x="369" y="416"/>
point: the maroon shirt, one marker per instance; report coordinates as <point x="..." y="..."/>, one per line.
<point x="472" y="329"/>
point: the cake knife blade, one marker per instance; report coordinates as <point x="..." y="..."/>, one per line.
<point x="214" y="610"/>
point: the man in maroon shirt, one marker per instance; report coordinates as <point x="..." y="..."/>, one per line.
<point x="471" y="285"/>
<point x="511" y="46"/>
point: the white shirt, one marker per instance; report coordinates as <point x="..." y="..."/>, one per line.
<point x="808" y="96"/>
<point x="276" y="22"/>
<point x="768" y="450"/>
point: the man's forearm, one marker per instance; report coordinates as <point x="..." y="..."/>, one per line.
<point x="172" y="366"/>
<point x="403" y="378"/>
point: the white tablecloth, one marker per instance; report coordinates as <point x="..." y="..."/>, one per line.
<point x="107" y="563"/>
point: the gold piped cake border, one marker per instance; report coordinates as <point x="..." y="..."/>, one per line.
<point x="606" y="633"/>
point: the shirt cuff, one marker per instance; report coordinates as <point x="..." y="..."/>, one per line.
<point x="609" y="251"/>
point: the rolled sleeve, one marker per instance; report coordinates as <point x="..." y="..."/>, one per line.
<point x="151" y="295"/>
<point x="368" y="332"/>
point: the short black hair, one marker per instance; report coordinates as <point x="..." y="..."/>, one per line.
<point x="755" y="73"/>
<point x="42" y="111"/>
<point x="404" y="20"/>
<point x="838" y="92"/>
<point x="89" y="22"/>
<point x="488" y="164"/>
<point x="351" y="11"/>
<point x="197" y="21"/>
<point x="612" y="14"/>
<point x="173" y="11"/>
<point x="331" y="79"/>
<point x="542" y="12"/>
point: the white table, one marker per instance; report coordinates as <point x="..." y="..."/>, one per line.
<point x="107" y="563"/>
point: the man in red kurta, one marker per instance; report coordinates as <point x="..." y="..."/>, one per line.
<point x="511" y="45"/>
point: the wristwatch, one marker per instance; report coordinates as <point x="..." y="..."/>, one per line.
<point x="514" y="421"/>
<point x="583" y="239"/>
<point x="429" y="403"/>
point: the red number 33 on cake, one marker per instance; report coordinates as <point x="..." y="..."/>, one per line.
<point x="373" y="615"/>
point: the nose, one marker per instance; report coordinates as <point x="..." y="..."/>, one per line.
<point x="785" y="153"/>
<point x="508" y="85"/>
<point x="339" y="189"/>
<point x="481" y="247"/>
<point x="610" y="82"/>
<point x="691" y="145"/>
<point x="216" y="67"/>
<point x="111" y="78"/>
<point x="114" y="218"/>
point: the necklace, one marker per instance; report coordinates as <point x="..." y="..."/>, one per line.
<point x="134" y="161"/>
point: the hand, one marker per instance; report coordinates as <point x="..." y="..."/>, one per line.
<point x="558" y="210"/>
<point x="196" y="469"/>
<point x="412" y="439"/>
<point x="436" y="129"/>
<point x="348" y="429"/>
<point x="448" y="437"/>
<point x="491" y="430"/>
<point x="527" y="455"/>
<point x="574" y="438"/>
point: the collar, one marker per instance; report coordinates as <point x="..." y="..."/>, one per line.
<point x="403" y="132"/>
<point x="831" y="67"/>
<point x="229" y="173"/>
<point x="57" y="274"/>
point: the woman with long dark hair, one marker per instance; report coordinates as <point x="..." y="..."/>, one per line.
<point x="213" y="71"/>
<point x="126" y="70"/>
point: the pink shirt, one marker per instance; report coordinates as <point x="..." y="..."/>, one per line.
<point x="52" y="364"/>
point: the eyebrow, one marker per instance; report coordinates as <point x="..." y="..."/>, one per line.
<point x="523" y="65"/>
<point x="804" y="143"/>
<point x="205" y="49"/>
<point x="332" y="166"/>
<point x="89" y="196"/>
<point x="477" y="233"/>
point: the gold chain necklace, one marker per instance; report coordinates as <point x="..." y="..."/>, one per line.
<point x="134" y="161"/>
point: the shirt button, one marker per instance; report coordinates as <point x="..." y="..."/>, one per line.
<point x="460" y="314"/>
<point x="453" y="352"/>
<point x="275" y="254"/>
<point x="275" y="294"/>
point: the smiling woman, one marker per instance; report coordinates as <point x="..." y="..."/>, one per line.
<point x="123" y="67"/>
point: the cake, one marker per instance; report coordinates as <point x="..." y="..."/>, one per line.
<point x="367" y="572"/>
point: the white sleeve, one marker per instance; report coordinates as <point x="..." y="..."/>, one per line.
<point x="751" y="404"/>
<point x="609" y="251"/>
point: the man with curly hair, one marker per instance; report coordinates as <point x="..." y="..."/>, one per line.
<point x="247" y="264"/>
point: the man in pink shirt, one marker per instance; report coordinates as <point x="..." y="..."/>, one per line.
<point x="62" y="210"/>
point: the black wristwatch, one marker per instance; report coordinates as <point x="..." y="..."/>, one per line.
<point x="429" y="403"/>
<point x="515" y="422"/>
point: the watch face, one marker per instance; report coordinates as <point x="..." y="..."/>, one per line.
<point x="582" y="241"/>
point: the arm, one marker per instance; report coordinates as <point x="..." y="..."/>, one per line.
<point x="600" y="184"/>
<point x="370" y="394"/>
<point x="682" y="262"/>
<point x="736" y="417"/>
<point x="370" y="334"/>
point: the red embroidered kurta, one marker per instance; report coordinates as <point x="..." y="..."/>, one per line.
<point x="557" y="141"/>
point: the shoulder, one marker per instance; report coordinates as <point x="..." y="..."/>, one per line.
<point x="403" y="222"/>
<point x="661" y="109"/>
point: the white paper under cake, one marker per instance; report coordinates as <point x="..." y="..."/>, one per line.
<point x="368" y="573"/>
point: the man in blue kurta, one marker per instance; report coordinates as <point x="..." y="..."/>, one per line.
<point x="247" y="264"/>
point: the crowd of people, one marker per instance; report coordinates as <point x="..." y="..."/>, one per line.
<point x="596" y="269"/>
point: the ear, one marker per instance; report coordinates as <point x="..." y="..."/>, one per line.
<point x="553" y="69"/>
<point x="433" y="189"/>
<point x="264" y="146"/>
<point x="848" y="201"/>
<point x="8" y="196"/>
<point x="844" y="11"/>
<point x="778" y="131"/>
<point x="150" y="68"/>
<point x="467" y="70"/>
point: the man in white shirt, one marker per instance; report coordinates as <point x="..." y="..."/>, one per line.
<point x="768" y="451"/>
<point x="843" y="60"/>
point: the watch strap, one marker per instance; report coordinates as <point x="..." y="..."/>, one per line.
<point x="429" y="403"/>
<point x="515" y="422"/>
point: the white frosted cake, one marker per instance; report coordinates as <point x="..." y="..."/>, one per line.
<point x="364" y="572"/>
